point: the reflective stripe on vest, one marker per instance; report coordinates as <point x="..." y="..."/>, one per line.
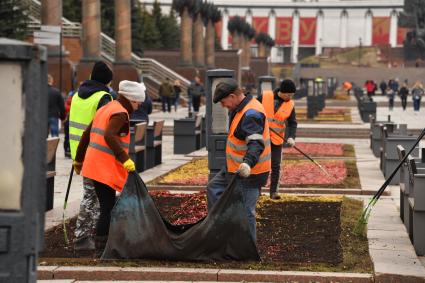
<point x="236" y="148"/>
<point x="80" y="116"/>
<point x="276" y="120"/>
<point x="100" y="163"/>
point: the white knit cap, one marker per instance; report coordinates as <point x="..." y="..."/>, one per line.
<point x="133" y="91"/>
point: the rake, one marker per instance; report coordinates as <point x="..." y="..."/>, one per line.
<point x="65" y="234"/>
<point x="361" y="223"/>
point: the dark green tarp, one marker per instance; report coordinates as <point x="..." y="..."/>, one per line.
<point x="138" y="231"/>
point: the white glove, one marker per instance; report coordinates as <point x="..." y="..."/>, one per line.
<point x="244" y="170"/>
<point x="291" y="141"/>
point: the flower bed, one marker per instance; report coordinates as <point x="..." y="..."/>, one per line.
<point x="294" y="233"/>
<point x="295" y="173"/>
<point x="320" y="149"/>
<point x="326" y="115"/>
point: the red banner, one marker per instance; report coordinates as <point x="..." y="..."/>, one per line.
<point x="260" y="24"/>
<point x="217" y="27"/>
<point x="381" y="30"/>
<point x="307" y="31"/>
<point x="401" y="35"/>
<point x="283" y="30"/>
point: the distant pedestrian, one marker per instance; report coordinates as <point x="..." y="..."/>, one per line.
<point x="142" y="113"/>
<point x="390" y="95"/>
<point x="393" y="84"/>
<point x="177" y="90"/>
<point x="56" y="107"/>
<point x="370" y="87"/>
<point x="404" y="92"/>
<point x="166" y="92"/>
<point x="383" y="87"/>
<point x="417" y="93"/>
<point x="196" y="90"/>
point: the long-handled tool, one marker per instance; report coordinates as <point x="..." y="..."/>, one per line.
<point x="361" y="223"/>
<point x="314" y="161"/>
<point x="309" y="158"/>
<point x="65" y="204"/>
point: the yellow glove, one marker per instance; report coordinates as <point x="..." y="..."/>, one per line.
<point x="77" y="167"/>
<point x="129" y="165"/>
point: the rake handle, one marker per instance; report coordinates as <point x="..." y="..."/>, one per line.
<point x="388" y="180"/>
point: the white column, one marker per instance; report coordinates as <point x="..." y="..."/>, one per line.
<point x="272" y="33"/>
<point x="224" y="31"/>
<point x="248" y="17"/>
<point x="368" y="29"/>
<point x="295" y="36"/>
<point x="319" y="33"/>
<point x="343" y="30"/>
<point x="393" y="29"/>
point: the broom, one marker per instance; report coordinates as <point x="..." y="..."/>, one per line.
<point x="361" y="223"/>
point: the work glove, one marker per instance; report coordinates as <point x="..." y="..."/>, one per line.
<point x="77" y="167"/>
<point x="129" y="165"/>
<point x="244" y="170"/>
<point x="291" y="141"/>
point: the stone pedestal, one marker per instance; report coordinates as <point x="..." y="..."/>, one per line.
<point x="124" y="71"/>
<point x="83" y="70"/>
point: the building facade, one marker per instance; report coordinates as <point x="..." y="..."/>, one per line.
<point x="301" y="28"/>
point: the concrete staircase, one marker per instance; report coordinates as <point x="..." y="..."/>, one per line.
<point x="152" y="72"/>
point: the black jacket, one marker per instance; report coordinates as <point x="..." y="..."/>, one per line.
<point x="251" y="123"/>
<point x="89" y="87"/>
<point x="291" y="122"/>
<point x="56" y="104"/>
<point x="142" y="113"/>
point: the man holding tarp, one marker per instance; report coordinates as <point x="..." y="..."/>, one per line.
<point x="247" y="150"/>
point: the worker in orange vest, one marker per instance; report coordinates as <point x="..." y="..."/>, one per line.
<point x="247" y="149"/>
<point x="280" y="112"/>
<point x="102" y="153"/>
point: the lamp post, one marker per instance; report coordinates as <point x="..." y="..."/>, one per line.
<point x="360" y="49"/>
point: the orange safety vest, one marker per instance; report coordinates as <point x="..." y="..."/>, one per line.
<point x="100" y="163"/>
<point x="276" y="120"/>
<point x="236" y="148"/>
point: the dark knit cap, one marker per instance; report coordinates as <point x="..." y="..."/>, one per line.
<point x="224" y="88"/>
<point x="101" y="73"/>
<point x="287" y="86"/>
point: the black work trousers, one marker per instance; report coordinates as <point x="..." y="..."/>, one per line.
<point x="196" y="100"/>
<point x="276" y="151"/>
<point x="106" y="196"/>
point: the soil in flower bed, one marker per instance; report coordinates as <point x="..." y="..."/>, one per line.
<point x="295" y="233"/>
<point x="319" y="150"/>
<point x="295" y="173"/>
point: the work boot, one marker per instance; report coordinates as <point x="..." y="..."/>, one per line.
<point x="84" y="244"/>
<point x="274" y="196"/>
<point x="100" y="242"/>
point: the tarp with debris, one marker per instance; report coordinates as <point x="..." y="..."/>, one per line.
<point x="139" y="231"/>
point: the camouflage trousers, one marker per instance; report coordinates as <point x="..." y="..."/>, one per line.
<point x="89" y="212"/>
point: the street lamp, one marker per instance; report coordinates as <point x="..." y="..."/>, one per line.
<point x="360" y="49"/>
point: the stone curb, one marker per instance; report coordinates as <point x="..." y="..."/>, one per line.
<point x="194" y="274"/>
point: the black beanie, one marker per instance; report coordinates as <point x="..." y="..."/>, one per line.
<point x="101" y="73"/>
<point x="287" y="86"/>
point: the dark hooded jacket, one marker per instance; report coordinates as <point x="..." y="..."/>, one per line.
<point x="89" y="87"/>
